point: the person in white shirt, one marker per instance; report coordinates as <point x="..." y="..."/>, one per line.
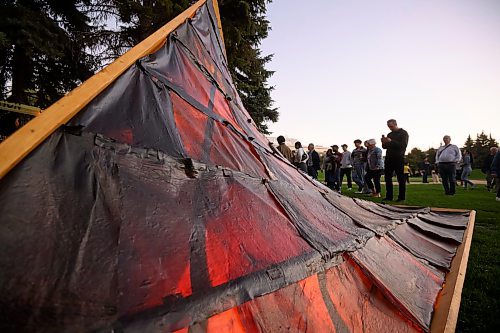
<point x="346" y="167"/>
<point x="301" y="157"/>
<point x="447" y="157"/>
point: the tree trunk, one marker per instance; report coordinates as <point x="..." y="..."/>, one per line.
<point x="22" y="71"/>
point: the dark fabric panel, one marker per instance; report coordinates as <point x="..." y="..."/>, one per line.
<point x="406" y="209"/>
<point x="158" y="221"/>
<point x="394" y="213"/>
<point x="437" y="231"/>
<point x="246" y="230"/>
<point x="410" y="284"/>
<point x="326" y="228"/>
<point x="447" y="219"/>
<point x="171" y="65"/>
<point x="220" y="145"/>
<point x="204" y="22"/>
<point x="135" y="111"/>
<point x="59" y="230"/>
<point x="366" y="218"/>
<point x="437" y="251"/>
<point x="191" y="39"/>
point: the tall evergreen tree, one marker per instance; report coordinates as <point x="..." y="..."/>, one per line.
<point x="492" y="142"/>
<point x="244" y="26"/>
<point x="41" y="55"/>
<point x="481" y="149"/>
<point x="469" y="143"/>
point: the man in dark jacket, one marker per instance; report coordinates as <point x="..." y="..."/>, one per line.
<point x="395" y="143"/>
<point x="495" y="172"/>
<point x="313" y="164"/>
<point x="490" y="181"/>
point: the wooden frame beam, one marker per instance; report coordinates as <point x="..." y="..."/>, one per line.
<point x="219" y="25"/>
<point x="447" y="305"/>
<point x="27" y="138"/>
<point x="20" y="108"/>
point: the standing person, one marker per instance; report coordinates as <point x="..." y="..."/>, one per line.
<point x="495" y="172"/>
<point x="486" y="169"/>
<point x="425" y="169"/>
<point x="467" y="161"/>
<point x="346" y="167"/>
<point x="434" y="173"/>
<point x="283" y="149"/>
<point x="375" y="167"/>
<point x="447" y="157"/>
<point x="458" y="175"/>
<point x="358" y="157"/>
<point x="329" y="165"/>
<point x="407" y="171"/>
<point x="337" y="158"/>
<point x="301" y="157"/>
<point x="312" y="162"/>
<point x="395" y="143"/>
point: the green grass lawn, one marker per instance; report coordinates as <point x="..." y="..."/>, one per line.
<point x="480" y="307"/>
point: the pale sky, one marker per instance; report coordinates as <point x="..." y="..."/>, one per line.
<point x="343" y="67"/>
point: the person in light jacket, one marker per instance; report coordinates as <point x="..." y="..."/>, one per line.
<point x="301" y="157"/>
<point x="447" y="157"/>
<point x="346" y="167"/>
<point x="375" y="167"/>
<point x="467" y="169"/>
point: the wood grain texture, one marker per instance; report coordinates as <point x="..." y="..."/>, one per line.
<point x="448" y="303"/>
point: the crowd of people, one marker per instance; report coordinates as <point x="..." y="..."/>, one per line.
<point x="365" y="165"/>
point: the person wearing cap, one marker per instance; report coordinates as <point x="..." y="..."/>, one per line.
<point x="375" y="167"/>
<point x="447" y="157"/>
<point x="283" y="149"/>
<point x="395" y="143"/>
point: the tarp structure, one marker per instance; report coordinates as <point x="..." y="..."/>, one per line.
<point x="160" y="207"/>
